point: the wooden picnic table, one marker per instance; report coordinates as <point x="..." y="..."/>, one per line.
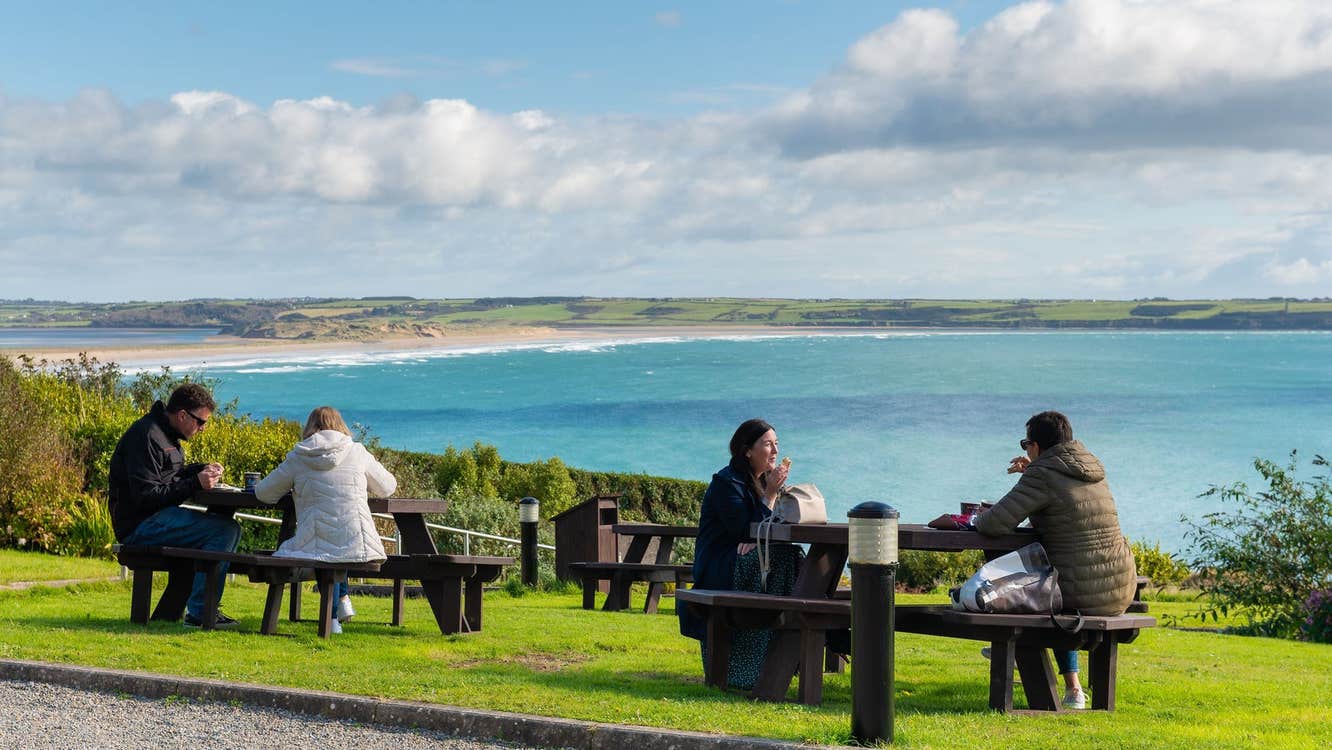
<point x="822" y="571"/>
<point x="1017" y="641"/>
<point x="635" y="566"/>
<point x="451" y="583"/>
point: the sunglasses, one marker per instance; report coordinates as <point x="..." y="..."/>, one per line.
<point x="200" y="422"/>
<point x="1024" y="442"/>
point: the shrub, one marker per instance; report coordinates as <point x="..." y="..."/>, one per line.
<point x="1317" y="625"/>
<point x="1164" y="568"/>
<point x="89" y="533"/>
<point x="1268" y="556"/>
<point x="645" y="498"/>
<point x="918" y="570"/>
<point x="469" y="473"/>
<point x="40" y="475"/>
<point x="548" y="481"/>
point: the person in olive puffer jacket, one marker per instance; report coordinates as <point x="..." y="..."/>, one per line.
<point x="1063" y="491"/>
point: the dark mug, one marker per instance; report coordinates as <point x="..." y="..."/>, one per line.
<point x="251" y="479"/>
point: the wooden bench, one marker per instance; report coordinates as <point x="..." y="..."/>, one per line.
<point x="622" y="575"/>
<point x="726" y="611"/>
<point x="1020" y="641"/>
<point x="183" y="563"/>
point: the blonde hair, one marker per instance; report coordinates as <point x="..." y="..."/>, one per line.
<point x="324" y="418"/>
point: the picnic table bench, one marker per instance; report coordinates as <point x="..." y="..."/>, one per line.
<point x="182" y="563"/>
<point x="810" y="618"/>
<point x="1021" y="642"/>
<point x="634" y="567"/>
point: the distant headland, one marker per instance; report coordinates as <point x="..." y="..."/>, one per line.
<point x="308" y="319"/>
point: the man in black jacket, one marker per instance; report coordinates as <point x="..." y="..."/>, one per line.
<point x="150" y="479"/>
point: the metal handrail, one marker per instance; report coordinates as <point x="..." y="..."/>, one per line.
<point x="467" y="533"/>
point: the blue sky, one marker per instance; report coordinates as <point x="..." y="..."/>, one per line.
<point x="1087" y="148"/>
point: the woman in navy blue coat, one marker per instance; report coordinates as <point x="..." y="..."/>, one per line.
<point x="742" y="493"/>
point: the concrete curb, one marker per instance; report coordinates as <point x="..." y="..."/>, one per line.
<point x="470" y="723"/>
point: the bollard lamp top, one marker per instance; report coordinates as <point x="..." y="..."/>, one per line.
<point x="873" y="509"/>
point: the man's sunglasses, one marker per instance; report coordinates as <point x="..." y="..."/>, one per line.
<point x="200" y="422"/>
<point x="1024" y="442"/>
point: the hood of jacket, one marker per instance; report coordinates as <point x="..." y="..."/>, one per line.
<point x="323" y="450"/>
<point x="1072" y="459"/>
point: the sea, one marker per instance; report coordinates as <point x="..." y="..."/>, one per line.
<point x="920" y="421"/>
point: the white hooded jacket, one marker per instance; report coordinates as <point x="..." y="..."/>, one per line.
<point x="330" y="477"/>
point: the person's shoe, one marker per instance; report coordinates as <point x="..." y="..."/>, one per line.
<point x="223" y="622"/>
<point x="336" y="628"/>
<point x="985" y="651"/>
<point x="1075" y="699"/>
<point x="344" y="611"/>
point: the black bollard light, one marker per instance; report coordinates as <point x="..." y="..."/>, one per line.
<point x="529" y="511"/>
<point x="872" y="553"/>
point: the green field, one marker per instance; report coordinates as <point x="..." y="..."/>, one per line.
<point x="363" y="319"/>
<point x="543" y="654"/>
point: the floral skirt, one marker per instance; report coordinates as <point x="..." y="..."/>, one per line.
<point x="749" y="647"/>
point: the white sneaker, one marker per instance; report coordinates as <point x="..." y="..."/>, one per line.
<point x="1075" y="699"/>
<point x="337" y="628"/>
<point x="344" y="611"/>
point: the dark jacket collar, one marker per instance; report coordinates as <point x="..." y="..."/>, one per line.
<point x="159" y="415"/>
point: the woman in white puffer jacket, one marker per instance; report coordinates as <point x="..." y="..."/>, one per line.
<point x="330" y="477"/>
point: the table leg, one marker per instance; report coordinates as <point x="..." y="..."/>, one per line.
<point x="638" y="546"/>
<point x="1002" y="663"/>
<point x="445" y="597"/>
<point x="141" y="597"/>
<point x="811" y="666"/>
<point x="180" y="579"/>
<point x="325" y="580"/>
<point x="1038" y="678"/>
<point x="272" y="606"/>
<point x="718" y="650"/>
<point x="294" y="606"/>
<point x="618" y="596"/>
<point x="211" y="571"/>
<point x="1104" y="666"/>
<point x="472" y="604"/>
<point x="399" y="593"/>
<point x="416" y="539"/>
<point x="653" y="597"/>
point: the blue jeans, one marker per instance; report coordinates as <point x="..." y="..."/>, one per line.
<point x="1067" y="661"/>
<point x="178" y="527"/>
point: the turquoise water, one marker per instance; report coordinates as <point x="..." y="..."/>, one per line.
<point x="918" y="421"/>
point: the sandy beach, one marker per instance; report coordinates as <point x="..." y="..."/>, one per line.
<point x="223" y="349"/>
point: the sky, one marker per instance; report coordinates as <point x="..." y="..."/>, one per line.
<point x="1091" y="149"/>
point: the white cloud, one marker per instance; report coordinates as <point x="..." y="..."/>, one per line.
<point x="1301" y="273"/>
<point x="1090" y="148"/>
<point x="1088" y="74"/>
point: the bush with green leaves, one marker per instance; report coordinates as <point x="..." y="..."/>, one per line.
<point x="1268" y="554"/>
<point x="1163" y="568"/>
<point x="918" y="570"/>
<point x="42" y="473"/>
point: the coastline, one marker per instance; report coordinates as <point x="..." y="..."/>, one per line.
<point x="230" y="349"/>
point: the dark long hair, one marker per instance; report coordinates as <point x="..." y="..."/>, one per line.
<point x="744" y="438"/>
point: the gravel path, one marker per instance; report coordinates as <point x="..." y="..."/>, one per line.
<point x="39" y="715"/>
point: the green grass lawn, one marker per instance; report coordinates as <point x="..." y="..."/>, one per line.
<point x="18" y="566"/>
<point x="543" y="654"/>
